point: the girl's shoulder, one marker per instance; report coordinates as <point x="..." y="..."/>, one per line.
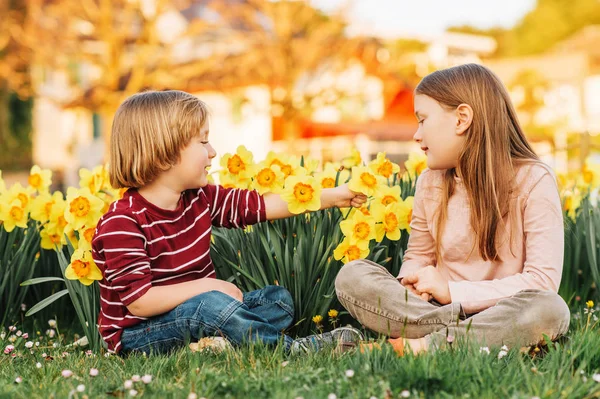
<point x="431" y="178"/>
<point x="528" y="175"/>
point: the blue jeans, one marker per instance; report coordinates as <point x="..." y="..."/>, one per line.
<point x="262" y="316"/>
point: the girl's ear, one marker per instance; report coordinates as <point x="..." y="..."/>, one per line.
<point x="464" y="118"/>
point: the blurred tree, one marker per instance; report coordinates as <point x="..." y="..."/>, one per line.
<point x="15" y="90"/>
<point x="530" y="87"/>
<point x="106" y="50"/>
<point x="302" y="54"/>
<point x="549" y="22"/>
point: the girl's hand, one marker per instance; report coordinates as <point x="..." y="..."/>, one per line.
<point x="430" y="280"/>
<point x="426" y="296"/>
<point x="343" y="197"/>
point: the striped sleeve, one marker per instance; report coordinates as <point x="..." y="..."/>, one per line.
<point x="234" y="207"/>
<point x="121" y="247"/>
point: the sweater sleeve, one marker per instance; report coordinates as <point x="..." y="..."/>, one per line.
<point x="234" y="207"/>
<point x="420" y="251"/>
<point x="119" y="249"/>
<point x="544" y="250"/>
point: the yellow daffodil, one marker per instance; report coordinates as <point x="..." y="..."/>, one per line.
<point x="39" y="179"/>
<point x="57" y="219"/>
<point x="240" y="166"/>
<point x="416" y="163"/>
<point x="83" y="268"/>
<point x="405" y="213"/>
<point x="328" y="176"/>
<point x="51" y="238"/>
<point x="348" y="251"/>
<point x="20" y="193"/>
<point x="332" y="313"/>
<point x="83" y="208"/>
<point x="388" y="224"/>
<point x="383" y="166"/>
<point x="352" y="160"/>
<point x="86" y="234"/>
<point x="268" y="179"/>
<point x="41" y="206"/>
<point x="302" y="193"/>
<point x="363" y="209"/>
<point x="310" y="165"/>
<point x="387" y="195"/>
<point x="359" y="228"/>
<point x="589" y="177"/>
<point x="589" y="304"/>
<point x="317" y="319"/>
<point x="365" y="181"/>
<point x="12" y="214"/>
<point x="72" y="235"/>
<point x="562" y="180"/>
<point x="290" y="166"/>
<point x="571" y="203"/>
<point x="228" y="181"/>
<point x="95" y="179"/>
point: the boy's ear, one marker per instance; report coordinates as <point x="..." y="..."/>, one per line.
<point x="464" y="118"/>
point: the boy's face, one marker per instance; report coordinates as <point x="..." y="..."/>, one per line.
<point x="195" y="159"/>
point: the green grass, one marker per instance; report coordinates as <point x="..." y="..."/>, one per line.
<point x="565" y="371"/>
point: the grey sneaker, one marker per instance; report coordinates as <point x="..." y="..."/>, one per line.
<point x="342" y="338"/>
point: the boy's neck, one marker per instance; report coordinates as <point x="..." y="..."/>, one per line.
<point x="161" y="195"/>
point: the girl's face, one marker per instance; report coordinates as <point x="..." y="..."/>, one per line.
<point x="195" y="159"/>
<point x="440" y="132"/>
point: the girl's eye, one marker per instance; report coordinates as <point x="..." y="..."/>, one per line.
<point x="421" y="121"/>
<point x="204" y="142"/>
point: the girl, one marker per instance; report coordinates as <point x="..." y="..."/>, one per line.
<point x="485" y="254"/>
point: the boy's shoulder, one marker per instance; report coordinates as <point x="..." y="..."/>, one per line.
<point x="122" y="209"/>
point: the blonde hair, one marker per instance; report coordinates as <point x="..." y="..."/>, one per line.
<point x="494" y="144"/>
<point x="149" y="131"/>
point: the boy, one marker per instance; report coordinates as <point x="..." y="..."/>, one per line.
<point x="153" y="246"/>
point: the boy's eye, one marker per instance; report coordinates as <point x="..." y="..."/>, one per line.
<point x="204" y="142"/>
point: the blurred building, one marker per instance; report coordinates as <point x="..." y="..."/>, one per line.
<point x="375" y="114"/>
<point x="389" y="124"/>
<point x="558" y="91"/>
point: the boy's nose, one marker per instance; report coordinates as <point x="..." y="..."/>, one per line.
<point x="212" y="153"/>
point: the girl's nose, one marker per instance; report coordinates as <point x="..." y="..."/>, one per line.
<point x="417" y="137"/>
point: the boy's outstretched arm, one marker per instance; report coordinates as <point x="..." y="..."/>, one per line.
<point x="341" y="196"/>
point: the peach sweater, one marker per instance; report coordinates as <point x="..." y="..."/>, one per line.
<point x="536" y="260"/>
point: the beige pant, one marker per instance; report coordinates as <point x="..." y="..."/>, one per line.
<point x="378" y="301"/>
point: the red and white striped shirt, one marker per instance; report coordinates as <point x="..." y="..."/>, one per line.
<point x="138" y="245"/>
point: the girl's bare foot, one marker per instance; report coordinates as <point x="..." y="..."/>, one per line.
<point x="400" y="345"/>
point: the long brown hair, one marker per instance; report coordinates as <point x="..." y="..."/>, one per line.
<point x="494" y="144"/>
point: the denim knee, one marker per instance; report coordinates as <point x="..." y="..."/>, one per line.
<point x="276" y="293"/>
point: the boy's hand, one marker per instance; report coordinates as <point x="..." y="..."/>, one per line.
<point x="429" y="280"/>
<point x="344" y="197"/>
<point x="228" y="289"/>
